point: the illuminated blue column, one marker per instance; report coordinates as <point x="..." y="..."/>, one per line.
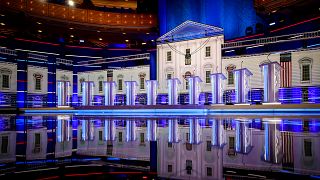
<point x="152" y="130"/>
<point x="84" y="131"/>
<point x="153" y="65"/>
<point x="242" y="85"/>
<point x="272" y="151"/>
<point x="173" y="85"/>
<point x="63" y="128"/>
<point x="218" y="133"/>
<point x="87" y="93"/>
<point x="194" y="89"/>
<point x="63" y="93"/>
<point x="22" y="79"/>
<point x="131" y="130"/>
<point x="194" y="131"/>
<point x="152" y="86"/>
<point x="74" y="101"/>
<point x="130" y="92"/>
<point x="243" y="136"/>
<point x="109" y="130"/>
<point x="271" y="81"/>
<point x="173" y="135"/>
<point x="52" y="67"/>
<point x="217" y="87"/>
<point x="109" y="93"/>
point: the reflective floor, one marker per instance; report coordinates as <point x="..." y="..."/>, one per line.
<point x="163" y="147"/>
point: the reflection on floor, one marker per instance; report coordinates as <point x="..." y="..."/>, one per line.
<point x="187" y="147"/>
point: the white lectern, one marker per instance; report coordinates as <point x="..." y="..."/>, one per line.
<point x="109" y="130"/>
<point x="218" y="133"/>
<point x="173" y="131"/>
<point x="217" y="87"/>
<point x="194" y="131"/>
<point x="131" y="92"/>
<point x="173" y="91"/>
<point x="152" y="130"/>
<point x="87" y="93"/>
<point x="109" y="93"/>
<point x="194" y="89"/>
<point x="243" y="136"/>
<point x="242" y="85"/>
<point x="131" y="130"/>
<point x="63" y="93"/>
<point x="271" y="81"/>
<point x="272" y="151"/>
<point x="152" y="86"/>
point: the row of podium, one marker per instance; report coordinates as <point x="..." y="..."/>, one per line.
<point x="271" y="81"/>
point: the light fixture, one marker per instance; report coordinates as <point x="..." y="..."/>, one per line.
<point x="143" y="43"/>
<point x="98" y="31"/>
<point x="40" y="31"/>
<point x="273" y="23"/>
<point x="147" y="33"/>
<point x="70" y="3"/>
<point x="124" y="33"/>
<point x="71" y="36"/>
<point x="127" y="40"/>
<point x="152" y="40"/>
<point x="2" y="24"/>
<point x="81" y="40"/>
<point x="71" y="28"/>
<point x="100" y="39"/>
<point x="2" y="15"/>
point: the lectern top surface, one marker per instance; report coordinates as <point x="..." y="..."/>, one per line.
<point x="245" y="70"/>
<point x="190" y="30"/>
<point x="219" y="74"/>
<point x="269" y="63"/>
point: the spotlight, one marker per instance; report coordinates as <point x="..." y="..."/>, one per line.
<point x="273" y="23"/>
<point x="143" y="43"/>
<point x="152" y="40"/>
<point x="2" y="24"/>
<point x="81" y="40"/>
<point x="39" y="23"/>
<point x="71" y="28"/>
<point x="147" y="33"/>
<point x="71" y="36"/>
<point x="98" y="31"/>
<point x="124" y="33"/>
<point x="2" y="15"/>
<point x="71" y="3"/>
<point x="39" y="31"/>
<point x="127" y="40"/>
<point x="100" y="39"/>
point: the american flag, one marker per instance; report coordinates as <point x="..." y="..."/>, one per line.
<point x="287" y="149"/>
<point x="286" y="70"/>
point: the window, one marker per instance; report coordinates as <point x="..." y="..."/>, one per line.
<point x="208" y="76"/>
<point x="307" y="147"/>
<point x="188" y="145"/>
<point x="142" y="83"/>
<point x="187" y="137"/>
<point x="305" y="69"/>
<point x="38" y="84"/>
<point x="4" y="145"/>
<point x="120" y="136"/>
<point x="100" y="86"/>
<point x="208" y="145"/>
<point x="81" y="85"/>
<point x="5" y="81"/>
<point x="141" y="138"/>
<point x="231" y="143"/>
<point x="169" y="76"/>
<point x="209" y="171"/>
<point x="305" y="72"/>
<point x="188" y="166"/>
<point x="37" y="139"/>
<point x="100" y="135"/>
<point x="169" y="168"/>
<point x="230" y="69"/>
<point x="208" y="51"/>
<point x="169" y="58"/>
<point x="188" y="57"/>
<point x="120" y="84"/>
<point x="169" y="144"/>
<point x="186" y="76"/>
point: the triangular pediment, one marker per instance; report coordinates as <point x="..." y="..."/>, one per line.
<point x="190" y="30"/>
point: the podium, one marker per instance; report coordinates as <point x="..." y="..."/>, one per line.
<point x="63" y="88"/>
<point x="218" y="133"/>
<point x="109" y="93"/>
<point x="194" y="131"/>
<point x="271" y="81"/>
<point x="217" y="87"/>
<point x="152" y="130"/>
<point x="109" y="130"/>
<point x="242" y="85"/>
<point x="243" y="136"/>
<point x="194" y="89"/>
<point x="152" y="86"/>
<point x="272" y="151"/>
<point x="173" y="136"/>
<point x="173" y="85"/>
<point x="87" y="93"/>
<point x="131" y="92"/>
<point x="131" y="130"/>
